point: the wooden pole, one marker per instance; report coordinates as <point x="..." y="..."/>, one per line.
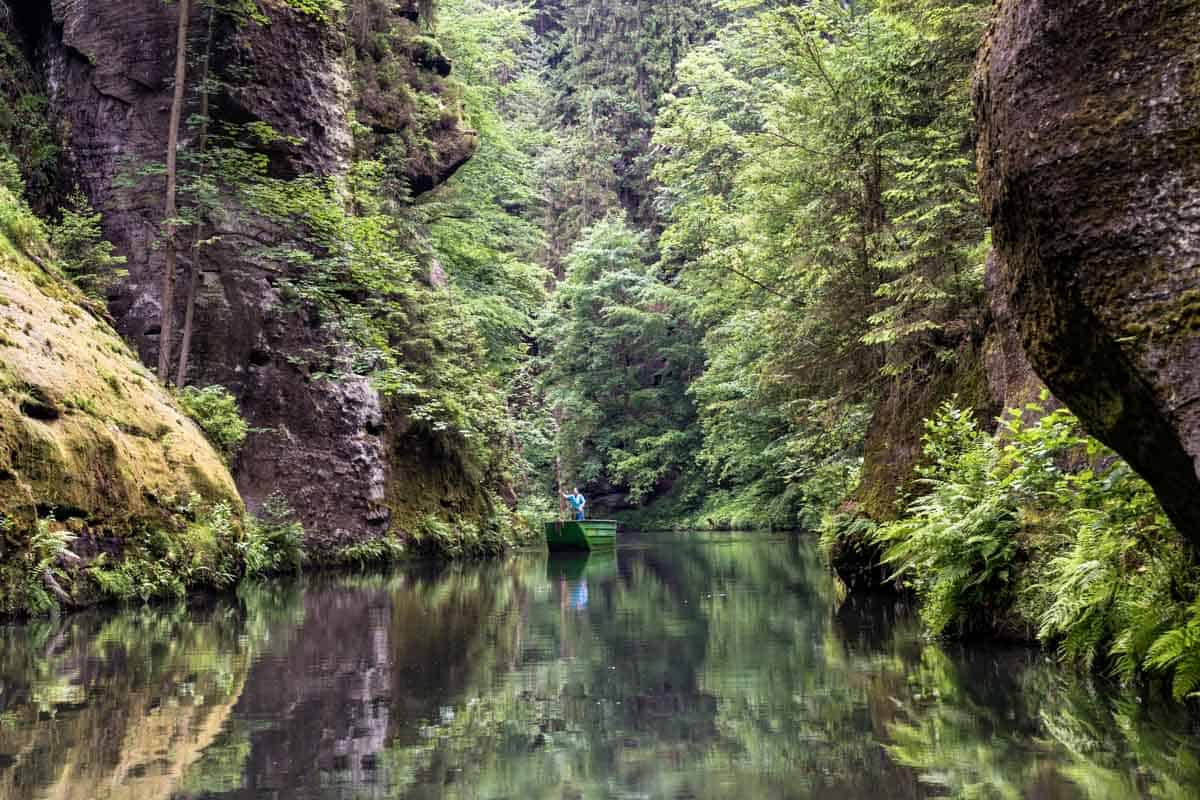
<point x="562" y="502"/>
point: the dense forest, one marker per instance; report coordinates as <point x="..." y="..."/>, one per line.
<point x="416" y="268"/>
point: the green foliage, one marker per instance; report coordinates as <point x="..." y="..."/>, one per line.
<point x="274" y="540"/>
<point x="33" y="558"/>
<point x="957" y="547"/>
<point x="462" y="537"/>
<point x="10" y="175"/>
<point x="376" y="550"/>
<point x="47" y="546"/>
<point x="1176" y="651"/>
<point x="618" y="365"/>
<point x="815" y="171"/>
<point x="840" y="530"/>
<point x="819" y="167"/>
<point x="612" y="63"/>
<point x="19" y="225"/>
<point x="321" y="9"/>
<point x="215" y="410"/>
<point x="84" y="255"/>
<point x="199" y="550"/>
<point x="1044" y="528"/>
<point x="483" y="224"/>
<point x="80" y="402"/>
<point x="27" y="139"/>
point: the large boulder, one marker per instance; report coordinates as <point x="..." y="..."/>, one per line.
<point x="1089" y="153"/>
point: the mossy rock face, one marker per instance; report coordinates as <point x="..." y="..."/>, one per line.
<point x="87" y="436"/>
<point x="1089" y="154"/>
<point x="436" y="505"/>
<point x="410" y="108"/>
<point x="305" y="76"/>
<point x="894" y="437"/>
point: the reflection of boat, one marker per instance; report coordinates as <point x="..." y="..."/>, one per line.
<point x="574" y="565"/>
<point x="573" y="571"/>
<point x="581" y="535"/>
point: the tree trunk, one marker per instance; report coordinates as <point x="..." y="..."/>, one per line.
<point x="185" y="347"/>
<point x="169" y="212"/>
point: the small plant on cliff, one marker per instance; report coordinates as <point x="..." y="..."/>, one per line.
<point x="274" y="539"/>
<point x="18" y="224"/>
<point x="47" y="546"/>
<point x="379" y="550"/>
<point x="10" y="175"/>
<point x="31" y="566"/>
<point x="215" y="410"/>
<point x="83" y="253"/>
<point x="197" y="549"/>
<point x="321" y="9"/>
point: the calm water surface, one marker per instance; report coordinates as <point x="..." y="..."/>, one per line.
<point x="702" y="666"/>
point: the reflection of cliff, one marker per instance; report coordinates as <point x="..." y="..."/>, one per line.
<point x="446" y="632"/>
<point x="165" y="738"/>
<point x="114" y="709"/>
<point x="326" y="695"/>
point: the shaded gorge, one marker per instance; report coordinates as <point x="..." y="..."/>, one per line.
<point x="698" y="666"/>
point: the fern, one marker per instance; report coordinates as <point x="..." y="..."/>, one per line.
<point x="1177" y="651"/>
<point x="957" y="548"/>
<point x="1111" y="582"/>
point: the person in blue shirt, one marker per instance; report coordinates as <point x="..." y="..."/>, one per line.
<point x="577" y="502"/>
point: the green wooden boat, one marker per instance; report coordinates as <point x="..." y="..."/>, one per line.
<point x="587" y="534"/>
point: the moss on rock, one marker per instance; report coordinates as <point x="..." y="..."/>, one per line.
<point x="1087" y="152"/>
<point x="893" y="445"/>
<point x="88" y="438"/>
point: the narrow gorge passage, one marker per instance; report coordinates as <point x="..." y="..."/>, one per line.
<point x="856" y="341"/>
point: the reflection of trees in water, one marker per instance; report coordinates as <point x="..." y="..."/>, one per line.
<point x="727" y="667"/>
<point x="118" y="705"/>
<point x="682" y="680"/>
<point x="728" y="670"/>
<point x="1009" y="724"/>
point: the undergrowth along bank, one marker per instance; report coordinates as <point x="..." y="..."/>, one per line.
<point x="1040" y="532"/>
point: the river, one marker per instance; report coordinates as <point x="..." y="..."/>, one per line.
<point x="679" y="666"/>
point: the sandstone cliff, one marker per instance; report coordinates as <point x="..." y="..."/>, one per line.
<point x="324" y="86"/>
<point x="87" y="436"/>
<point x="1089" y="123"/>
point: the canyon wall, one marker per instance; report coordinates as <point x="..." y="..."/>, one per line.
<point x="1089" y="152"/>
<point x="322" y="86"/>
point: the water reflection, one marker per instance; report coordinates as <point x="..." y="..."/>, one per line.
<point x="705" y="667"/>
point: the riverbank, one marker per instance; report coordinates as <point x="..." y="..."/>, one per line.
<point x="1037" y="533"/>
<point x="110" y="488"/>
